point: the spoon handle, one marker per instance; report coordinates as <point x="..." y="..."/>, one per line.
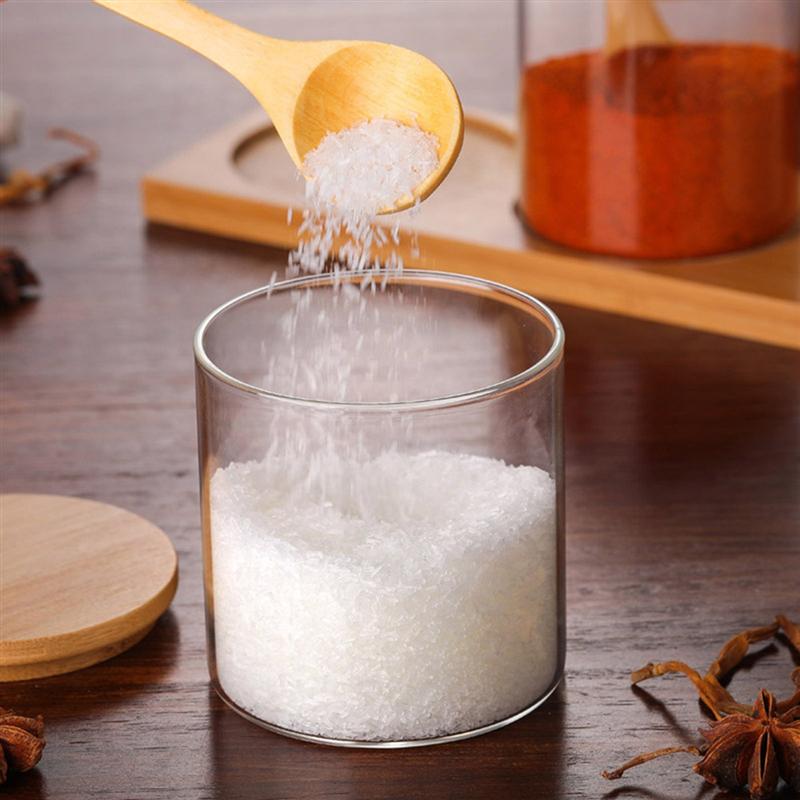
<point x="631" y="23"/>
<point x="222" y="42"/>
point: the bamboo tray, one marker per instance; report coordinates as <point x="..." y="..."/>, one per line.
<point x="239" y="183"/>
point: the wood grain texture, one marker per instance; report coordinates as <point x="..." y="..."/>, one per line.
<point x="310" y="88"/>
<point x="683" y="514"/>
<point x="80" y="581"/>
<point x="239" y="183"/>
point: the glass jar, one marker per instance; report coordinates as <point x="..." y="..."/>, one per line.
<point x="685" y="144"/>
<point x="383" y="529"/>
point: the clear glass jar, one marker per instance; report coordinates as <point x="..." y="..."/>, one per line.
<point x="679" y="147"/>
<point x="383" y="530"/>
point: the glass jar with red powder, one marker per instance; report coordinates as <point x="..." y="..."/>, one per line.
<point x="682" y="147"/>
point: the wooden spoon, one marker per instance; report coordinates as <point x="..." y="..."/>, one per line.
<point x="631" y="23"/>
<point x="313" y="88"/>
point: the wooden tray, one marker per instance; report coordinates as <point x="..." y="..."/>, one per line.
<point x="239" y="183"/>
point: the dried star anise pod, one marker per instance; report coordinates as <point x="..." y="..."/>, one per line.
<point x="753" y="750"/>
<point x="745" y="747"/>
<point x="22" y="185"/>
<point x="21" y="742"/>
<point x="18" y="282"/>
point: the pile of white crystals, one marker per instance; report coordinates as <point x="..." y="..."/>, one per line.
<point x="353" y="175"/>
<point x="396" y="595"/>
<point x="416" y="601"/>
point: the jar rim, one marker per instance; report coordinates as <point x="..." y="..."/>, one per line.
<point x="411" y="276"/>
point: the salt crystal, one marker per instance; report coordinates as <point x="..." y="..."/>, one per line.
<point x="352" y="175"/>
<point x="404" y="597"/>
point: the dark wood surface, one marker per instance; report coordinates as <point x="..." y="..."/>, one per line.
<point x="683" y="476"/>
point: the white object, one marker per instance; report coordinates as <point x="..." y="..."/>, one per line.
<point x="352" y="175"/>
<point x="407" y="597"/>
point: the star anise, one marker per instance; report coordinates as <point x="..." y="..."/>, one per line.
<point x="22" y="185"/>
<point x="744" y="747"/>
<point x="21" y="742"/>
<point x="753" y="750"/>
<point x="18" y="282"/>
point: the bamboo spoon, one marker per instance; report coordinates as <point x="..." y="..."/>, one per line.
<point x="630" y="23"/>
<point x="312" y="88"/>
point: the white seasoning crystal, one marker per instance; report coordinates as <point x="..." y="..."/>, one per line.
<point x="352" y="176"/>
<point x="377" y="163"/>
<point x="416" y="599"/>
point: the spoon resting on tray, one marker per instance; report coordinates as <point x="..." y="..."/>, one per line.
<point x="312" y="88"/>
<point x="631" y="23"/>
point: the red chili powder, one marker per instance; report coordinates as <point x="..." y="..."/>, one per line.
<point x="662" y="152"/>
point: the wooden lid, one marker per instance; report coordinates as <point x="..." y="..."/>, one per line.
<point x="80" y="582"/>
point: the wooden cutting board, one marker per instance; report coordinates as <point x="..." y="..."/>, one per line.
<point x="239" y="183"/>
<point x="80" y="582"/>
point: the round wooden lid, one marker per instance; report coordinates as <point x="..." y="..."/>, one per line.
<point x="80" y="581"/>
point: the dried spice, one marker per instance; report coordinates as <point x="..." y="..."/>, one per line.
<point x="662" y="151"/>
<point x="22" y="185"/>
<point x="21" y="742"/>
<point x="745" y="747"/>
<point x="18" y="282"/>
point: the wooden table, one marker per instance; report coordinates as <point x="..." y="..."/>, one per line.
<point x="682" y="451"/>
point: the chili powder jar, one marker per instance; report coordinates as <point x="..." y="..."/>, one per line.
<point x="676" y="149"/>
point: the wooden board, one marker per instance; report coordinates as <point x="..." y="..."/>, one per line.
<point x="239" y="183"/>
<point x="80" y="581"/>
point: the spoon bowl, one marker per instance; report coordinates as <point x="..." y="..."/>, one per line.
<point x="310" y="89"/>
<point x="343" y="91"/>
